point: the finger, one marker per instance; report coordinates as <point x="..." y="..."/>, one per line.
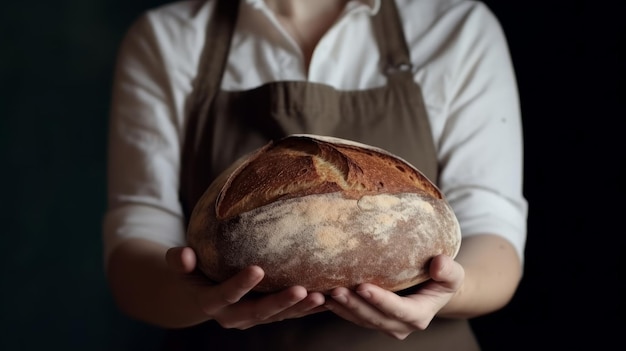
<point x="311" y="304"/>
<point x="181" y="259"/>
<point x="233" y="289"/>
<point x="446" y="272"/>
<point x="352" y="307"/>
<point x="269" y="307"/>
<point x="390" y="313"/>
<point x="249" y="313"/>
<point x="411" y="311"/>
<point x="389" y="303"/>
<point x="212" y="299"/>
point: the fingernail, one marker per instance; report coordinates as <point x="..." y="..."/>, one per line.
<point x="365" y="293"/>
<point x="340" y="298"/>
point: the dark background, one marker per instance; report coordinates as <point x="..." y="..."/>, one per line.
<point x="56" y="66"/>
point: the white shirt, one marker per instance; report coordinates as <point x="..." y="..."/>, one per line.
<point x="461" y="61"/>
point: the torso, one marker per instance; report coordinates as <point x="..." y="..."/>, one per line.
<point x="225" y="125"/>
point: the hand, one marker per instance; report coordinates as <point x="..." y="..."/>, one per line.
<point x="398" y="316"/>
<point x="227" y="302"/>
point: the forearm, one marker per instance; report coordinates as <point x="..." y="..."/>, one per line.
<point x="145" y="288"/>
<point x="492" y="274"/>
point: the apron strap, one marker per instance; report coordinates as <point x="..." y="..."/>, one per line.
<point x="213" y="59"/>
<point x="396" y="65"/>
<point x="390" y="38"/>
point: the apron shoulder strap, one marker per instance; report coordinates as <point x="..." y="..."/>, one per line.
<point x="213" y="59"/>
<point x="390" y="38"/>
<point x="396" y="65"/>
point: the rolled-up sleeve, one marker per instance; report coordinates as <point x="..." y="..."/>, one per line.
<point x="143" y="146"/>
<point x="481" y="143"/>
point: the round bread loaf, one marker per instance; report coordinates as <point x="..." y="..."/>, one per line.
<point x="322" y="212"/>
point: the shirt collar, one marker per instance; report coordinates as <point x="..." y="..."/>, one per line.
<point x="372" y="5"/>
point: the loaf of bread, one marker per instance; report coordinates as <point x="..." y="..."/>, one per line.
<point x="322" y="212"/>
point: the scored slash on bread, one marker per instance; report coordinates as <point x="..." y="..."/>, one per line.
<point x="303" y="165"/>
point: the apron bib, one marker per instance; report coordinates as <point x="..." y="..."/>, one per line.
<point x="224" y="126"/>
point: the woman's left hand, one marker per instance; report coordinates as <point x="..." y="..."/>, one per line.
<point x="398" y="316"/>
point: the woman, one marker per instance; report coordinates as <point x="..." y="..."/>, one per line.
<point x="200" y="83"/>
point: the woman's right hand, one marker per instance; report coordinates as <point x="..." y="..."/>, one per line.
<point x="227" y="302"/>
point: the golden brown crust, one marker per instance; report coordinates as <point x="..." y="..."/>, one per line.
<point x="300" y="166"/>
<point x="322" y="213"/>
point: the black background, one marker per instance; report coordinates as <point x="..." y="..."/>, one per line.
<point x="56" y="66"/>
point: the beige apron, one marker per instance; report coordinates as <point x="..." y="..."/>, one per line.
<point x="225" y="125"/>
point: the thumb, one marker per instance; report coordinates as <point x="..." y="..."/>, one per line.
<point x="181" y="259"/>
<point x="446" y="271"/>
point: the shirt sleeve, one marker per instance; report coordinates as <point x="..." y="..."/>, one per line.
<point x="143" y="146"/>
<point x="481" y="142"/>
